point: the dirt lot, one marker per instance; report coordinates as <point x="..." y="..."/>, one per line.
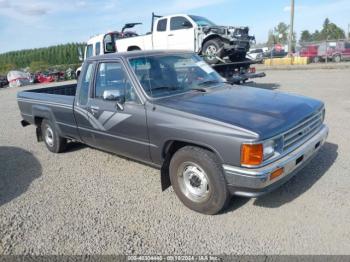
<point x="87" y="201"/>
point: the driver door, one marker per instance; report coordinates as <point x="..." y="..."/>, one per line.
<point x="181" y="34"/>
<point x="122" y="130"/>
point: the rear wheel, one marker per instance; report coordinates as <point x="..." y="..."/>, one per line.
<point x="198" y="180"/>
<point x="316" y="59"/>
<point x="337" y="58"/>
<point x="53" y="141"/>
<point x="211" y="50"/>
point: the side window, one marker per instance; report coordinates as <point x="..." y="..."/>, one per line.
<point x="161" y="27"/>
<point x="179" y="22"/>
<point x="347" y="45"/>
<point x="97" y="48"/>
<point x="89" y="51"/>
<point x="85" y="84"/>
<point x="111" y="76"/>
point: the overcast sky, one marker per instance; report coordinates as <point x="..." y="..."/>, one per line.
<point x="40" y="23"/>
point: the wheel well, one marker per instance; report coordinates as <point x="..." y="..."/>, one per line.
<point x="133" y="48"/>
<point x="37" y="121"/>
<point x="169" y="149"/>
<point x="211" y="37"/>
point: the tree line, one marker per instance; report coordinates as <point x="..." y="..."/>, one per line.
<point x="329" y="31"/>
<point x="40" y="59"/>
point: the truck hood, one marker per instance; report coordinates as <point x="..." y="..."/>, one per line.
<point x="267" y="113"/>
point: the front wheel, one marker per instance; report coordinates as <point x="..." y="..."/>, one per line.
<point x="53" y="141"/>
<point x="213" y="49"/>
<point x="198" y="180"/>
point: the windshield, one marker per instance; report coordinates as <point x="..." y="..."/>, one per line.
<point x="202" y="21"/>
<point x="164" y="75"/>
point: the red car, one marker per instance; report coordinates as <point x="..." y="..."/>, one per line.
<point x="341" y="51"/>
<point x="311" y="52"/>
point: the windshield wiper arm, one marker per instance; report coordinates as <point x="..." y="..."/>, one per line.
<point x="199" y="89"/>
<point x="208" y="82"/>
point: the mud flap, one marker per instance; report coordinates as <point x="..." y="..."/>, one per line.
<point x="39" y="135"/>
<point x="164" y="176"/>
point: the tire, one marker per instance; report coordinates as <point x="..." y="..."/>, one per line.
<point x="337" y="58"/>
<point x="53" y="141"/>
<point x="198" y="180"/>
<point x="211" y="49"/>
<point x="316" y="59"/>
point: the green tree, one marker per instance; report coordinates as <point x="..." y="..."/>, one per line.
<point x="331" y="31"/>
<point x="36" y="66"/>
<point x="5" y="68"/>
<point x="305" y="36"/>
<point x="282" y="31"/>
<point x="55" y="55"/>
<point x="271" y="39"/>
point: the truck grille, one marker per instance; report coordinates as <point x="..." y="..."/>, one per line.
<point x="294" y="136"/>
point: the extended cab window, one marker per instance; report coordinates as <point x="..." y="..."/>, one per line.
<point x="89" y="51"/>
<point x="161" y="27"/>
<point x="111" y="76"/>
<point x="179" y="22"/>
<point x="97" y="48"/>
<point x="85" y="84"/>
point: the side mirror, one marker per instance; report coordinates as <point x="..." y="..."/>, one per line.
<point x="109" y="47"/>
<point x="80" y="52"/>
<point x="115" y="95"/>
<point x="187" y="24"/>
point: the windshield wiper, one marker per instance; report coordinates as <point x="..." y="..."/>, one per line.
<point x="209" y="82"/>
<point x="199" y="89"/>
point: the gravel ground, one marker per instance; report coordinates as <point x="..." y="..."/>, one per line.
<point x="86" y="201"/>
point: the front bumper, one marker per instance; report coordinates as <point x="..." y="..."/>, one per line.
<point x="254" y="182"/>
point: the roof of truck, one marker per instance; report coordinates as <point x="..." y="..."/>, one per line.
<point x="132" y="54"/>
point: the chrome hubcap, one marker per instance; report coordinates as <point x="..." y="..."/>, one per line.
<point x="49" y="136"/>
<point x="211" y="52"/>
<point x="193" y="182"/>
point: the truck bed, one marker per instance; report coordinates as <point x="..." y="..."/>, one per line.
<point x="65" y="90"/>
<point x="55" y="103"/>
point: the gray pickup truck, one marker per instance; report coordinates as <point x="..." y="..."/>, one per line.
<point x="210" y="139"/>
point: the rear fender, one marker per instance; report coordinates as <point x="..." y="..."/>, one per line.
<point x="44" y="112"/>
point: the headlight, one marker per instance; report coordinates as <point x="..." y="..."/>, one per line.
<point x="255" y="154"/>
<point x="269" y="149"/>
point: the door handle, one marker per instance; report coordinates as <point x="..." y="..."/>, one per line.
<point x="170" y="35"/>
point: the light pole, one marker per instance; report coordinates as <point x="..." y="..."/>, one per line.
<point x="291" y="28"/>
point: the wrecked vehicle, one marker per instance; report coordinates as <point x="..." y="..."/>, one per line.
<point x="190" y="32"/>
<point x="173" y="111"/>
<point x="18" y="78"/>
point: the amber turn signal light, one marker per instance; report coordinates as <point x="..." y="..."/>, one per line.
<point x="276" y="173"/>
<point x="252" y="154"/>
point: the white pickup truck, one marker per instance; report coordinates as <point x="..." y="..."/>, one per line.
<point x="195" y="33"/>
<point x="223" y="47"/>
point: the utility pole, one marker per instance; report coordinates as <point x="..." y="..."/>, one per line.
<point x="291" y="26"/>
